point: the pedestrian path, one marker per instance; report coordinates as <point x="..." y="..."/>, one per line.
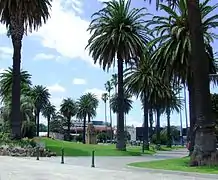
<point x="25" y="169"/>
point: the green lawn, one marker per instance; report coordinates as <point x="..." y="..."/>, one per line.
<point x="78" y="149"/>
<point x="180" y="164"/>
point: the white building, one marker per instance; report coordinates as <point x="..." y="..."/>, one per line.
<point x="132" y="131"/>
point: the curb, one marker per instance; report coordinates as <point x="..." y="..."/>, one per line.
<point x="188" y="174"/>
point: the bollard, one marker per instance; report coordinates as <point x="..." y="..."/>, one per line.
<point x="93" y="159"/>
<point x="62" y="156"/>
<point x="37" y="153"/>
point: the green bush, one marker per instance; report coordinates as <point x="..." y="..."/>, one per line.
<point x="79" y="138"/>
<point x="5" y="140"/>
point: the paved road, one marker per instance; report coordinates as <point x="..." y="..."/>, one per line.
<point x="25" y="169"/>
<point x="109" y="168"/>
<point x="117" y="163"/>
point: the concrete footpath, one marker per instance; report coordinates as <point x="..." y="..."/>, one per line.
<point x="26" y="169"/>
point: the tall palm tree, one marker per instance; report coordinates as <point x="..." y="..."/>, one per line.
<point x="105" y="98"/>
<point x="68" y="109"/>
<point x="48" y="112"/>
<point x="117" y="33"/>
<point x="20" y="17"/>
<point x="178" y="43"/>
<point x="109" y="88"/>
<point x="87" y="105"/>
<point x="40" y="96"/>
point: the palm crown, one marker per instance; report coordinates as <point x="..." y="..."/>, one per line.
<point x="28" y="14"/>
<point x="118" y="32"/>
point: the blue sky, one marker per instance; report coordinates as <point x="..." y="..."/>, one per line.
<point x="56" y="58"/>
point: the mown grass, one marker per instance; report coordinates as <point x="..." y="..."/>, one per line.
<point x="78" y="149"/>
<point x="179" y="164"/>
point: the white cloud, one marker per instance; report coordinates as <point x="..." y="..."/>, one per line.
<point x="5" y="52"/>
<point x="96" y="91"/>
<point x="56" y="88"/>
<point x="66" y="31"/>
<point x="131" y="121"/>
<point x="43" y="56"/>
<point x="79" y="81"/>
<point x="2" y="29"/>
<point x="2" y="70"/>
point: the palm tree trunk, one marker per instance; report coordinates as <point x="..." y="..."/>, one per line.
<point x="48" y="130"/>
<point x="205" y="140"/>
<point x="169" y="138"/>
<point x="181" y="128"/>
<point x="105" y="115"/>
<point x="84" y="129"/>
<point x="145" y="145"/>
<point x="151" y="121"/>
<point x="68" y="127"/>
<point x="89" y="118"/>
<point x="121" y="145"/>
<point x="186" y="114"/>
<point x="192" y="114"/>
<point x="37" y="123"/>
<point x="111" y="134"/>
<point x="17" y="32"/>
<point x="158" y="127"/>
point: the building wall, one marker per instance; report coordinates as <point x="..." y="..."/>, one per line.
<point x="132" y="132"/>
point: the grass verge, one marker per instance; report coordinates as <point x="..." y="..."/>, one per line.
<point x="179" y="164"/>
<point x="78" y="149"/>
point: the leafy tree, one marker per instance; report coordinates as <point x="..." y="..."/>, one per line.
<point x="117" y="33"/>
<point x="40" y="97"/>
<point x="87" y="105"/>
<point x="19" y="17"/>
<point x="68" y="110"/>
<point x="48" y="111"/>
<point x="56" y="124"/>
<point x="43" y="128"/>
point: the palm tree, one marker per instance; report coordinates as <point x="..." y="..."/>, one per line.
<point x="173" y="103"/>
<point x="117" y="33"/>
<point x="141" y="80"/>
<point x="104" y="98"/>
<point x="6" y="81"/>
<point x="87" y="105"/>
<point x="109" y="87"/>
<point x="68" y="109"/>
<point x="177" y="42"/>
<point x="48" y="111"/>
<point x="40" y="96"/>
<point x="114" y="82"/>
<point x="26" y="108"/>
<point x="20" y="17"/>
<point x="127" y="105"/>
